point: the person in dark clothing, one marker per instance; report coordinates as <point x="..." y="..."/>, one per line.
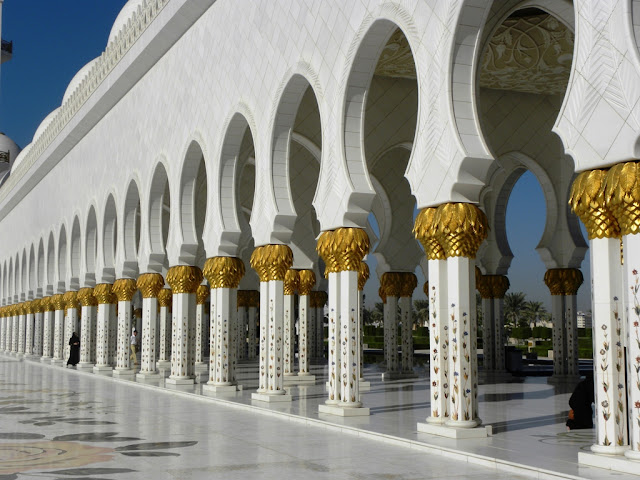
<point x="581" y="415"/>
<point x="74" y="355"/>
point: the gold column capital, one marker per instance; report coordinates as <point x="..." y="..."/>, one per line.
<point x="424" y="230"/>
<point x="137" y="313"/>
<point x="86" y="297"/>
<point x="271" y="262"/>
<point x="318" y="299"/>
<point x="588" y="201"/>
<point x="165" y="297"/>
<point x="325" y="249"/>
<point x="57" y="301"/>
<point x="103" y="293"/>
<point x="224" y="272"/>
<point x="70" y="300"/>
<point x="460" y="228"/>
<point x="36" y="305"/>
<point x="47" y="305"/>
<point x="363" y="275"/>
<point x="184" y="279"/>
<point x="202" y="293"/>
<point x="425" y="289"/>
<point x="382" y="293"/>
<point x="150" y="284"/>
<point x="563" y="281"/>
<point x="350" y="246"/>
<point x="498" y="285"/>
<point x="291" y="282"/>
<point x="622" y="196"/>
<point x="306" y="281"/>
<point x="391" y="282"/>
<point x="124" y="289"/>
<point x="408" y="284"/>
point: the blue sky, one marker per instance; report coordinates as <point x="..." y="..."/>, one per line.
<point x="53" y="39"/>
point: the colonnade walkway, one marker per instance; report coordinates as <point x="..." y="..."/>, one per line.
<point x="60" y="422"/>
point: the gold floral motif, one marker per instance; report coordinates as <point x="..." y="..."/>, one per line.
<point x="271" y="262"/>
<point x="150" y="284"/>
<point x="57" y="301"/>
<point x="408" y="285"/>
<point x="202" y="293"/>
<point x="184" y="279"/>
<point x="86" y="298"/>
<point x="587" y="200"/>
<point x="306" y="281"/>
<point x="423" y="230"/>
<point x="326" y="250"/>
<point x="391" y="282"/>
<point x="622" y="196"/>
<point x="460" y="228"/>
<point x="291" y="282"/>
<point x="363" y="275"/>
<point x="47" y="305"/>
<point x="36" y="305"/>
<point x="124" y="289"/>
<point x="165" y="297"/>
<point x="563" y="281"/>
<point x="70" y="300"/>
<point x="350" y="245"/>
<point x="224" y="272"/>
<point x="103" y="293"/>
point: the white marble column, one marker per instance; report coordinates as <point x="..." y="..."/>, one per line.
<point x="342" y="251"/>
<point x="47" y="329"/>
<point x="10" y="329"/>
<point x="306" y="281"/>
<point x="631" y="269"/>
<point x="70" y="321"/>
<point x="150" y="285"/>
<point x="391" y="282"/>
<point x="58" y="329"/>
<point x="333" y="339"/>
<point x="22" y="327"/>
<point x="184" y="281"/>
<point x="263" y="354"/>
<point x="271" y="262"/>
<point x="322" y="300"/>
<point x="104" y="295"/>
<point x="165" y="297"/>
<point x="124" y="289"/>
<point x="408" y="285"/>
<point x="37" y="327"/>
<point x="492" y="288"/>
<point x="243" y="315"/>
<point x="438" y="340"/>
<point x="28" y="347"/>
<point x="3" y="327"/>
<point x="202" y="293"/>
<point x="88" y="305"/>
<point x="288" y="337"/>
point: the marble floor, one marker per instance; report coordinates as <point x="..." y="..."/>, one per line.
<point x="61" y="423"/>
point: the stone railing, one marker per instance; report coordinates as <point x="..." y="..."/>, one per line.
<point x="115" y="50"/>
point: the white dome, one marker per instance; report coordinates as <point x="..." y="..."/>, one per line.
<point x="77" y="79"/>
<point x="8" y="145"/>
<point x="21" y="156"/>
<point x="123" y="17"/>
<point x="44" y="124"/>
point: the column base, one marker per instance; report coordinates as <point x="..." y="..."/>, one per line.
<point x="163" y="364"/>
<point x="103" y="370"/>
<point x="179" y="381"/>
<point x="494" y="376"/>
<point x="219" y="388"/>
<point x="617" y="463"/>
<point x="84" y="367"/>
<point x="45" y="359"/>
<point x="443" y="430"/>
<point x="364" y="385"/>
<point x="341" y="411"/>
<point x="201" y="367"/>
<point x="270" y="398"/>
<point x="305" y="379"/>
<point x="58" y="362"/>
<point x="127" y="373"/>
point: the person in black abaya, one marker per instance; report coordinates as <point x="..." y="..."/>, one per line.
<point x="580" y="402"/>
<point x="74" y="356"/>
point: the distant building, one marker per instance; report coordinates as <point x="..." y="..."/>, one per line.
<point x="584" y="320"/>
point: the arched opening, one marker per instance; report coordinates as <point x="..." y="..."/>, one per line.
<point x="74" y="255"/>
<point x="62" y="260"/>
<point x="193" y="206"/>
<point x="109" y="236"/>
<point x="24" y="276"/>
<point x="32" y="270"/>
<point x="51" y="264"/>
<point x="11" y="282"/>
<point x="159" y="218"/>
<point x="91" y="247"/>
<point x="41" y="279"/>
<point x="131" y="231"/>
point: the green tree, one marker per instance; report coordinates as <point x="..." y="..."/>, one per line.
<point x="421" y="312"/>
<point x="533" y="312"/>
<point x="514" y="304"/>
